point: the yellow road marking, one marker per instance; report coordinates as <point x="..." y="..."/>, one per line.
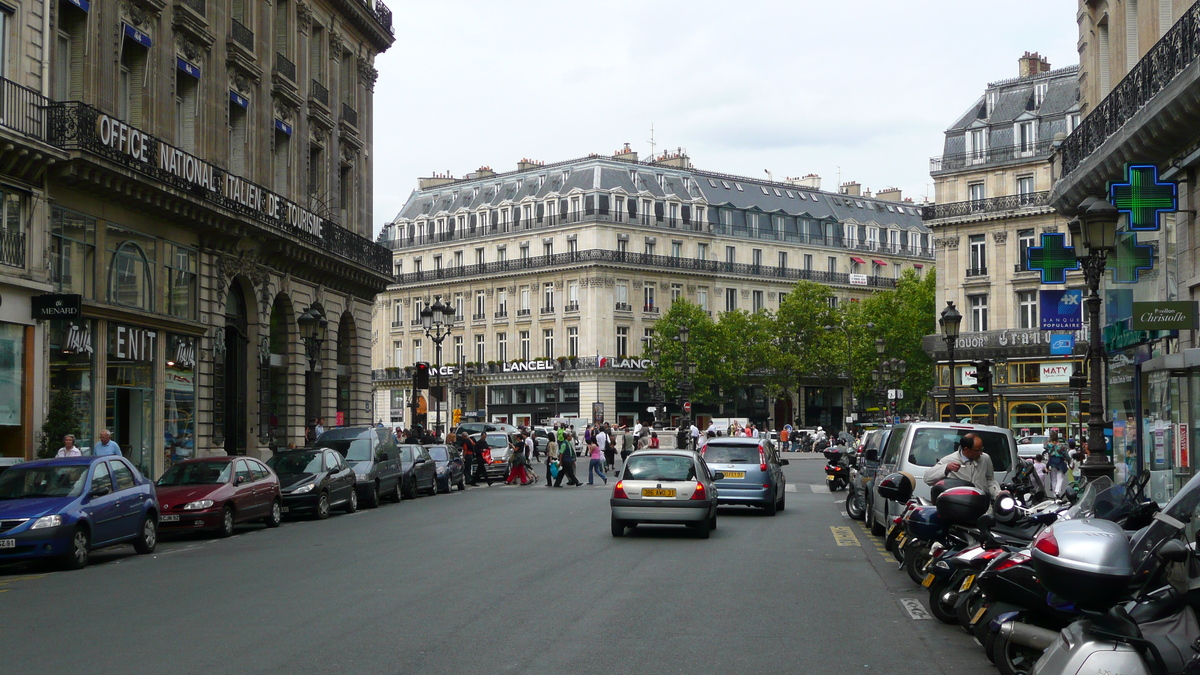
<point x="30" y="577"/>
<point x="844" y="536"/>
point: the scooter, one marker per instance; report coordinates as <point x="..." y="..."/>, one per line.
<point x="837" y="476"/>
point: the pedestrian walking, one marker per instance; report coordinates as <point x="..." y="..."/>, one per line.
<point x="627" y="447"/>
<point x="1056" y="465"/>
<point x="480" y="465"/>
<point x="106" y="445"/>
<point x="69" y="449"/>
<point x="610" y="452"/>
<point x="596" y="463"/>
<point x="566" y="455"/>
<point x="517" y="459"/>
<point x="654" y="439"/>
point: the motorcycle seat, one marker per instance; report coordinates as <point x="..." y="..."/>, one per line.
<point x="1024" y="533"/>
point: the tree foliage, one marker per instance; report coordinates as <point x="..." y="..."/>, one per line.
<point x="61" y="419"/>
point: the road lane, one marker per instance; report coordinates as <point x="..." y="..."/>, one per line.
<point x="500" y="579"/>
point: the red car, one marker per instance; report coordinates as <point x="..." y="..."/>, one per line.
<point x="215" y="493"/>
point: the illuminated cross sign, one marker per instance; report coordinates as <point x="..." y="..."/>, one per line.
<point x="1130" y="258"/>
<point x="1142" y="197"/>
<point x="1053" y="258"/>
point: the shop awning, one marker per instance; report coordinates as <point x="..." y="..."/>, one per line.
<point x="880" y="263"/>
<point x="918" y="265"/>
<point x="860" y="261"/>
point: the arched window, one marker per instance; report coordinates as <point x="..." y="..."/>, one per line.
<point x="1056" y="415"/>
<point x="129" y="280"/>
<point x="1026" y="416"/>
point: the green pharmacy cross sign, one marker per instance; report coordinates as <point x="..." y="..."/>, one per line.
<point x="1130" y="258"/>
<point x="1053" y="258"/>
<point x="1142" y="197"/>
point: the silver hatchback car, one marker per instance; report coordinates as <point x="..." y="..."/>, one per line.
<point x="667" y="487"/>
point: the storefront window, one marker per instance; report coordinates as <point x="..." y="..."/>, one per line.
<point x="71" y="370"/>
<point x="130" y="271"/>
<point x="180" y="399"/>
<point x="73" y="252"/>
<point x="181" y="282"/>
<point x="129" y="396"/>
<point x="1123" y="405"/>
<point x="12" y="385"/>
<point x="571" y="393"/>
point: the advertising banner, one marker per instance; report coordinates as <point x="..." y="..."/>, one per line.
<point x="1054" y="373"/>
<point x="1062" y="344"/>
<point x="1061" y="309"/>
<point x="1164" y="315"/>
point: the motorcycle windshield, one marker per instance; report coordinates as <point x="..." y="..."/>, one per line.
<point x="1181" y="509"/>
<point x="1088" y="499"/>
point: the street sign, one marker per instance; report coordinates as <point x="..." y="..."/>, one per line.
<point x="900" y="394"/>
<point x="687" y="406"/>
<point x="891" y="394"/>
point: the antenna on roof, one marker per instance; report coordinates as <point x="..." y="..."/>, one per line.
<point x="770" y="176"/>
<point x="652" y="146"/>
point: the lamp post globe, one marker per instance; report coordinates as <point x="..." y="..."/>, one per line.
<point x="951" y="321"/>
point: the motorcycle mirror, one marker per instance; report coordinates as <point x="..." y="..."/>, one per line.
<point x="1174" y="551"/>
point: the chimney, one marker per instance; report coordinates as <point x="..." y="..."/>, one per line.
<point x="677" y="159"/>
<point x="889" y="195"/>
<point x="1032" y="64"/>
<point x="812" y="180"/>
<point x="526" y="164"/>
<point x="484" y="172"/>
<point x="852" y="189"/>
<point x="435" y="180"/>
<point x="626" y="154"/>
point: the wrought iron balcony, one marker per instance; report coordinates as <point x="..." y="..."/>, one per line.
<point x="415" y="322"/>
<point x="479" y="317"/>
<point x="1003" y="153"/>
<point x="197" y="6"/>
<point x="977" y="272"/>
<point x="23" y="109"/>
<point x="397" y="324"/>
<point x="650" y="309"/>
<point x="319" y="93"/>
<point x="241" y="35"/>
<point x="524" y="312"/>
<point x="1170" y="56"/>
<point x="624" y="307"/>
<point x="12" y="248"/>
<point x="547" y="310"/>
<point x="984" y="206"/>
<point x="349" y="115"/>
<point x="285" y="67"/>
<point x="502" y="314"/>
<point x="572" y="307"/>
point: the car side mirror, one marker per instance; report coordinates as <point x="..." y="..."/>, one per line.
<point x="718" y="475"/>
<point x="100" y="491"/>
<point x="239" y="480"/>
<point x="784" y="462"/>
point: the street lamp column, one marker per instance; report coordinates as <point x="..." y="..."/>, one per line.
<point x="438" y="321"/>
<point x="951" y="320"/>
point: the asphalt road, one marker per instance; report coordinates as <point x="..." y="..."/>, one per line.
<point x="493" y="580"/>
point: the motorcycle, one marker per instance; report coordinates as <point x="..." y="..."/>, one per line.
<point x="837" y="475"/>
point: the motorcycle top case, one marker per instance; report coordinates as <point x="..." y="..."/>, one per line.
<point x="924" y="523"/>
<point x="897" y="487"/>
<point x="962" y="505"/>
<point x="1093" y="566"/>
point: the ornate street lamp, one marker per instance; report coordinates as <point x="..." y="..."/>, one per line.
<point x="950" y="321"/>
<point x="313" y="325"/>
<point x="684" y="367"/>
<point x="1096" y="228"/>
<point x="438" y="321"/>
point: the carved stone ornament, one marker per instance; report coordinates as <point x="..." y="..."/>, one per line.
<point x="336" y="45"/>
<point x="950" y="243"/>
<point x="284" y="111"/>
<point x="1000" y="236"/>
<point x="190" y="50"/>
<point x="691" y="288"/>
<point x="512" y="289"/>
<point x="665" y="285"/>
<point x="317" y="134"/>
<point x="238" y="82"/>
<point x="489" y="292"/>
<point x="367" y="74"/>
<point x="136" y="15"/>
<point x="246" y="263"/>
<point x="348" y="153"/>
<point x="1052" y="229"/>
<point x="304" y="15"/>
<point x="772" y="296"/>
<point x="558" y="285"/>
<point x="609" y="282"/>
<point x="285" y="284"/>
<point x="745" y="294"/>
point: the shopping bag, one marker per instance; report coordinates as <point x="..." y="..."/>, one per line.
<point x="554" y="469"/>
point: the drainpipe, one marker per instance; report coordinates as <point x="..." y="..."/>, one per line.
<point x="47" y="40"/>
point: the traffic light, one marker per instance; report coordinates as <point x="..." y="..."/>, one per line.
<point x="421" y="376"/>
<point x="983" y="376"/>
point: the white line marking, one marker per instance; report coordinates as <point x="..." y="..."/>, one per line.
<point x="915" y="609"/>
<point x="789" y="488"/>
<point x="819" y="489"/>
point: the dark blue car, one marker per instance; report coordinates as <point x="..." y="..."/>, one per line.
<point x="65" y="508"/>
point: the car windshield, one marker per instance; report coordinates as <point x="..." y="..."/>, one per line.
<point x="660" y="467"/>
<point x="1035" y="440"/>
<point x="297" y="462"/>
<point x="354" y="450"/>
<point x="42" y="481"/>
<point x="497" y="440"/>
<point x="439" y="453"/>
<point x="196" y="473"/>
<point x="716" y="453"/>
<point x="933" y="443"/>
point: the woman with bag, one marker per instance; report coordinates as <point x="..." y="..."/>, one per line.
<point x="516" y="462"/>
<point x="1056" y="465"/>
<point x="596" y="463"/>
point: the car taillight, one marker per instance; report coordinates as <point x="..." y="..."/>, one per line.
<point x="698" y="493"/>
<point x="1046" y="543"/>
<point x="1012" y="561"/>
<point x="762" y="460"/>
<point x="619" y="490"/>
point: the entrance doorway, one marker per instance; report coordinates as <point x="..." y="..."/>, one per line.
<point x="130" y="419"/>
<point x="231" y="394"/>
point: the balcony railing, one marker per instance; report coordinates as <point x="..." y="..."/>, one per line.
<point x="502" y="314"/>
<point x="415" y="322"/>
<point x="977" y="272"/>
<point x="1171" y="55"/>
<point x="349" y="115"/>
<point x="623" y="307"/>
<point x="412" y="239"/>
<point x="479" y="317"/>
<point x="319" y="93"/>
<point x="524" y="312"/>
<point x="197" y="6"/>
<point x="649" y="309"/>
<point x="1003" y="153"/>
<point x="1021" y="267"/>
<point x="988" y="205"/>
<point x="601" y="256"/>
<point x="384" y="16"/>
<point x="23" y="110"/>
<point x="241" y="35"/>
<point x="547" y="310"/>
<point x="12" y="248"/>
<point x="572" y="307"/>
<point x="285" y="67"/>
<point x="397" y="324"/>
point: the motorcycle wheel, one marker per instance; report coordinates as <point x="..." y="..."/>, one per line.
<point x="939" y="608"/>
<point x="899" y="552"/>
<point x="915" y="559"/>
<point x="1013" y="659"/>
<point x="832" y="485"/>
<point x="968" y="604"/>
<point x="988" y="641"/>
<point x="854" y="506"/>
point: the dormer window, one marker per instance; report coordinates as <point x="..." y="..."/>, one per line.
<point x="1039" y="93"/>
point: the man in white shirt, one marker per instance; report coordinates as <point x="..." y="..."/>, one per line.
<point x="637" y="429"/>
<point x="602" y="439"/>
<point x="695" y="432"/>
<point x="969" y="463"/>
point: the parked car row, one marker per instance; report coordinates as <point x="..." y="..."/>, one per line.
<point x="68" y="507"/>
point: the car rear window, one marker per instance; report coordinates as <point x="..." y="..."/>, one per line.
<point x="660" y="467"/>
<point x="731" y="454"/>
<point x="933" y="443"/>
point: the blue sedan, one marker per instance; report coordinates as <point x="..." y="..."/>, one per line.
<point x="65" y="508"/>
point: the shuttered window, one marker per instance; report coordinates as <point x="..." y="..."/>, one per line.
<point x="1131" y="34"/>
<point x="1105" y="81"/>
<point x="281" y="26"/>
<point x="132" y="84"/>
<point x="237" y="139"/>
<point x="186" y="110"/>
<point x="1165" y="20"/>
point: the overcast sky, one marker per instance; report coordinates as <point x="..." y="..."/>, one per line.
<point x="864" y="87"/>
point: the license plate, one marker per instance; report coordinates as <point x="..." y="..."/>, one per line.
<point x="168" y="519"/>
<point x="734" y="474"/>
<point x="658" y="492"/>
<point x="928" y="580"/>
<point x="966" y="584"/>
<point x="828" y="477"/>
<point x="979" y="615"/>
<point x="892" y="528"/>
<point x="283" y="509"/>
<point x="8" y="543"/>
<point x="900" y="540"/>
